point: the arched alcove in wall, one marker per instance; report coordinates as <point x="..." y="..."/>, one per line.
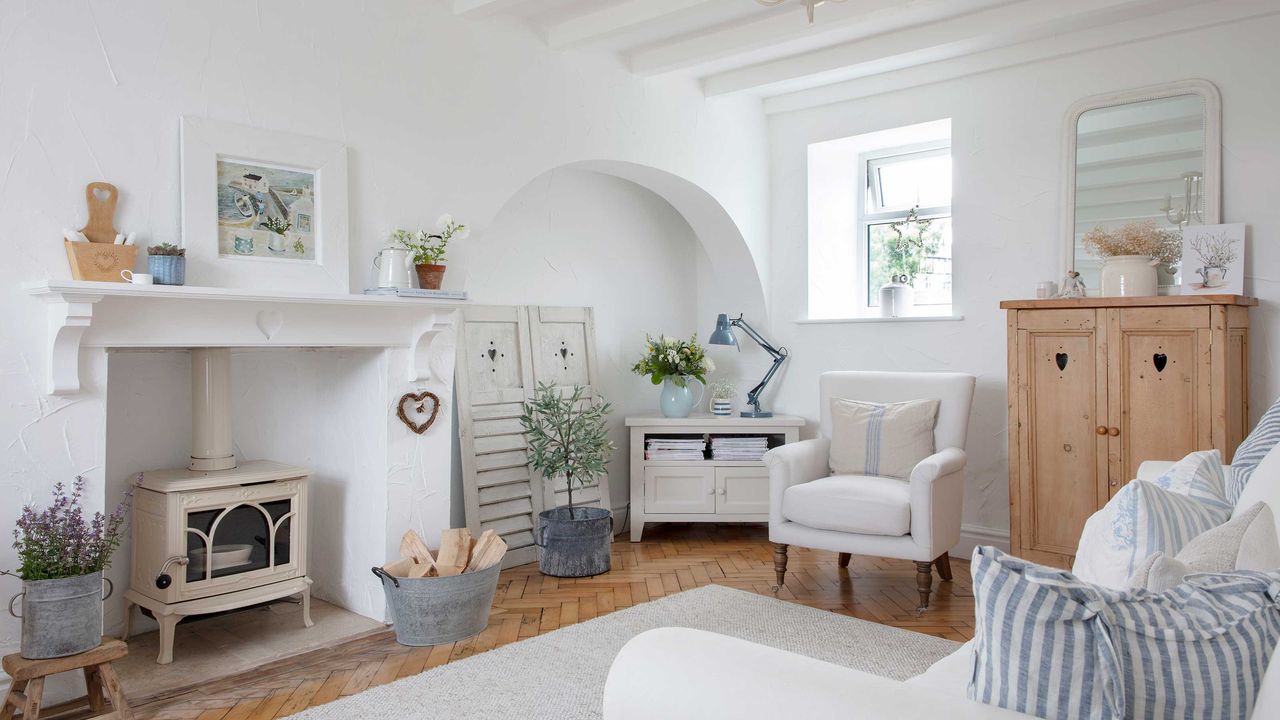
<point x="649" y="251"/>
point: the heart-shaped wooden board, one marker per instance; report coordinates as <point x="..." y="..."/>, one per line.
<point x="412" y="410"/>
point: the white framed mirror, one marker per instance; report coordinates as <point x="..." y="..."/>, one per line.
<point x="1152" y="153"/>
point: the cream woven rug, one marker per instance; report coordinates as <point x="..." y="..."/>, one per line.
<point x="561" y="674"/>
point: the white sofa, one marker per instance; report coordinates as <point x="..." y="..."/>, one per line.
<point x="675" y="673"/>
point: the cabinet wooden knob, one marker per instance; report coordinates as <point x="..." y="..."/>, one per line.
<point x="1114" y="483"/>
<point x="1102" y="430"/>
<point x="1113" y="431"/>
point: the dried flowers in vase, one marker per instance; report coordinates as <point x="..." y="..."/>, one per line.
<point x="1136" y="238"/>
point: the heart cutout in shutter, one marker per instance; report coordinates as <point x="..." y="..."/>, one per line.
<point x="1061" y="360"/>
<point x="1160" y="360"/>
<point x="417" y="402"/>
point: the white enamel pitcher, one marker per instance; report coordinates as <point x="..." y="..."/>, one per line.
<point x="395" y="267"/>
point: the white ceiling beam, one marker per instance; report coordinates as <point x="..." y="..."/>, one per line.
<point x="940" y="40"/>
<point x="1201" y="16"/>
<point x="614" y="19"/>
<point x="782" y="32"/>
<point x="479" y="8"/>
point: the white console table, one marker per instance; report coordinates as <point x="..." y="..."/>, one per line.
<point x="702" y="490"/>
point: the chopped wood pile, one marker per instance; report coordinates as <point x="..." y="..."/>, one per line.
<point x="459" y="553"/>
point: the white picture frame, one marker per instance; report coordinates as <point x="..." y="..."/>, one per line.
<point x="317" y="260"/>
<point x="1213" y="259"/>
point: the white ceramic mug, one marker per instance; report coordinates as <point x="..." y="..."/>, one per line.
<point x="130" y="276"/>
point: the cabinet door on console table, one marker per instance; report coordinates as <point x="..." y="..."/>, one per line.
<point x="1097" y="386"/>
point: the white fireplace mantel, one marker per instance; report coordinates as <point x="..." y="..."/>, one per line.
<point x="119" y="315"/>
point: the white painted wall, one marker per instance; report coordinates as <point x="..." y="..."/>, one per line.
<point x="1006" y="131"/>
<point x="439" y="114"/>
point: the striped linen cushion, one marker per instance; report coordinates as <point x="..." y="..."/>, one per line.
<point x="1255" y="447"/>
<point x="1199" y="475"/>
<point x="1139" y="521"/>
<point x="885" y="440"/>
<point x="1053" y="646"/>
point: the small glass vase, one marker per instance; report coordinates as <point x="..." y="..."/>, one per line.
<point x="677" y="401"/>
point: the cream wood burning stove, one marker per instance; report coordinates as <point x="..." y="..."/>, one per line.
<point x="216" y="535"/>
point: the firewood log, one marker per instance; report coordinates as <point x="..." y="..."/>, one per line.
<point x="455" y="551"/>
<point x="488" y="552"/>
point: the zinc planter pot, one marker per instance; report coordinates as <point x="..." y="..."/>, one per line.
<point x="1129" y="276"/>
<point x="430" y="277"/>
<point x="676" y="401"/>
<point x="62" y="616"/>
<point x="574" y="545"/>
<point x="168" y="269"/>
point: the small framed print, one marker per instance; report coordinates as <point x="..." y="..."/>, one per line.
<point x="263" y="210"/>
<point x="1213" y="259"/>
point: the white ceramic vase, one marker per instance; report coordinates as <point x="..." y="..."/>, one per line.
<point x="1129" y="276"/>
<point x="897" y="298"/>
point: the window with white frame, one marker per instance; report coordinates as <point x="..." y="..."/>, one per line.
<point x="879" y="211"/>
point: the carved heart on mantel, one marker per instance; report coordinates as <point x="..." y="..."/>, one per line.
<point x="412" y="410"/>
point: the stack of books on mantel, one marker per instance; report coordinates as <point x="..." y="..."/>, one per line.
<point x="674" y="449"/>
<point x="742" y="447"/>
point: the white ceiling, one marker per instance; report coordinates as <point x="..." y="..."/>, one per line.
<point x="855" y="48"/>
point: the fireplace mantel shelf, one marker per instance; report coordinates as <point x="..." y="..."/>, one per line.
<point x="121" y="315"/>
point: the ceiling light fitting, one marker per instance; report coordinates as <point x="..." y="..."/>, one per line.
<point x="809" y="5"/>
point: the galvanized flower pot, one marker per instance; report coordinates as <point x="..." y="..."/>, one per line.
<point x="62" y="616"/>
<point x="168" y="269"/>
<point x="574" y="545"/>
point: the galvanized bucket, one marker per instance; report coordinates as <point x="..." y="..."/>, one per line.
<point x="574" y="545"/>
<point x="436" y="610"/>
<point x="62" y="616"/>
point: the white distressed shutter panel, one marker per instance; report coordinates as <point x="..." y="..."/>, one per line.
<point x="494" y="376"/>
<point x="564" y="355"/>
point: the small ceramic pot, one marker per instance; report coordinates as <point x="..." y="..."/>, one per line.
<point x="430" y="277"/>
<point x="167" y="269"/>
<point x="721" y="407"/>
<point x="1129" y="276"/>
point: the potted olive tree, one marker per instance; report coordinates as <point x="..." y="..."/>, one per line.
<point x="568" y="439"/>
<point x="62" y="556"/>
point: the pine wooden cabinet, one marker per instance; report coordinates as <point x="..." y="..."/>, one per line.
<point x="1097" y="386"/>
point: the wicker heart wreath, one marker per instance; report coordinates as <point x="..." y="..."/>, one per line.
<point x="420" y="399"/>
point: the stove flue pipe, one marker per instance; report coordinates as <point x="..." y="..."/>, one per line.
<point x="211" y="447"/>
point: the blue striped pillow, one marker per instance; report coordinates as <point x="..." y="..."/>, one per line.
<point x="1050" y="645"/>
<point x="1199" y="475"/>
<point x="1139" y="521"/>
<point x="1265" y="436"/>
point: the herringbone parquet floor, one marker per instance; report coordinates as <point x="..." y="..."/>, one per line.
<point x="671" y="558"/>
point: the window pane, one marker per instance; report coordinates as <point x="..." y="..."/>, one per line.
<point x="922" y="180"/>
<point x="923" y="254"/>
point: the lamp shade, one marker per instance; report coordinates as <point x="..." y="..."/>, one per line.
<point x="723" y="334"/>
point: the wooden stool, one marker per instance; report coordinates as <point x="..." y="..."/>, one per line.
<point x="99" y="677"/>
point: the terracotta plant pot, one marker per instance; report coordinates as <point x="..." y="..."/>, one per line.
<point x="430" y="276"/>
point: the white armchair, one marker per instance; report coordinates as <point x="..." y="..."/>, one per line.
<point x="914" y="519"/>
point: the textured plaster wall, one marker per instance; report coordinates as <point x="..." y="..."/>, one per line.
<point x="439" y="114"/>
<point x="1006" y="132"/>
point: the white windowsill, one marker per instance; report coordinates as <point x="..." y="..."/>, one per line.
<point x="913" y="318"/>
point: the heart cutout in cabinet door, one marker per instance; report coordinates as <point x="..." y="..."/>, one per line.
<point x="1160" y="360"/>
<point x="1061" y="360"/>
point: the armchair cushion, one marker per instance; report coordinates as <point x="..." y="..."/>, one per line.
<point x="863" y="504"/>
<point x="885" y="440"/>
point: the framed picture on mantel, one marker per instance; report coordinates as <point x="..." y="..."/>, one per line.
<point x="263" y="210"/>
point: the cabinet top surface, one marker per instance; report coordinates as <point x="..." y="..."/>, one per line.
<point x="1148" y="301"/>
<point x="733" y="422"/>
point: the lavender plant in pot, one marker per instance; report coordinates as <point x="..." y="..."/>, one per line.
<point x="62" y="556"/>
<point x="568" y="441"/>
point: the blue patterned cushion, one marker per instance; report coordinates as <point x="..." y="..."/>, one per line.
<point x="1050" y="645"/>
<point x="1255" y="447"/>
<point x="1199" y="475"/>
<point x="1142" y="519"/>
